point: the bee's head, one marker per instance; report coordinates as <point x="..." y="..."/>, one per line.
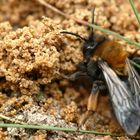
<point x="91" y="42"/>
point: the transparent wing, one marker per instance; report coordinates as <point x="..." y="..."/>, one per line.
<point x="134" y="81"/>
<point x="126" y="109"/>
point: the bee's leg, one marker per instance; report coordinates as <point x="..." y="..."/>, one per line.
<point x="136" y="60"/>
<point x="136" y="64"/>
<point x="93" y="100"/>
<point x="92" y="103"/>
<point x="75" y="75"/>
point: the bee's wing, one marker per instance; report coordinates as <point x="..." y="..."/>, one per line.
<point x="125" y="108"/>
<point x="134" y="82"/>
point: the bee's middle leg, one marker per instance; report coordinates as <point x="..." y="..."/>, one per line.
<point x="136" y="60"/>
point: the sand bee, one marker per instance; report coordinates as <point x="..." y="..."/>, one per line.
<point x="104" y="61"/>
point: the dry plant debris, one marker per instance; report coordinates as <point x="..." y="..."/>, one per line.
<point x="33" y="55"/>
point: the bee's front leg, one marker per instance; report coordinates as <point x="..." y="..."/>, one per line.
<point x="75" y="75"/>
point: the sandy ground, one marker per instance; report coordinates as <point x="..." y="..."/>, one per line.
<point x="34" y="55"/>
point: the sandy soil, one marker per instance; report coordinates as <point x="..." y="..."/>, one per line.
<point x="34" y="55"/>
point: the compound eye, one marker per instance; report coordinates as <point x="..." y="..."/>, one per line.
<point x="88" y="49"/>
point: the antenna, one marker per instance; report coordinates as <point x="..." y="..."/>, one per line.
<point x="71" y="33"/>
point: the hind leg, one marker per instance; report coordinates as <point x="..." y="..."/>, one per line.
<point x="92" y="100"/>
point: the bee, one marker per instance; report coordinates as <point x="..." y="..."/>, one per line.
<point x="103" y="61"/>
